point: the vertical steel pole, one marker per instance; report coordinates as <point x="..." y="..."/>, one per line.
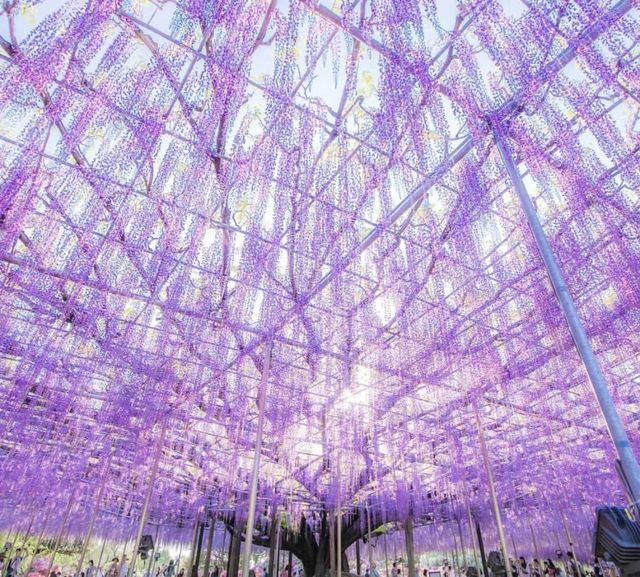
<point x="105" y="476"/>
<point x="386" y="555"/>
<point x="253" y="490"/>
<point x="614" y="424"/>
<point x="454" y="553"/>
<point x="104" y="542"/>
<point x="535" y="541"/>
<point x="369" y="551"/>
<point x="492" y="491"/>
<point x="179" y="558"/>
<point x="28" y="532"/>
<point x="44" y="525"/>
<point x="339" y="520"/>
<point x="62" y="528"/>
<point x="332" y="542"/>
<point x="147" y="499"/>
<point x="570" y="540"/>
<point x="464" y="553"/>
<point x="471" y="529"/>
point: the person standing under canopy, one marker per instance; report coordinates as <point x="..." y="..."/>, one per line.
<point x="124" y="567"/>
<point x="91" y="570"/>
<point x="13" y="567"/>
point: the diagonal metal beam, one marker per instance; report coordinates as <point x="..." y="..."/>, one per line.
<point x="512" y="107"/>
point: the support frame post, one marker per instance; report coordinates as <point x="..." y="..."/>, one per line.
<point x="628" y="460"/>
<point x="253" y="488"/>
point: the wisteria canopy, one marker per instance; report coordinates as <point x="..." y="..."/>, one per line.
<point x="198" y="196"/>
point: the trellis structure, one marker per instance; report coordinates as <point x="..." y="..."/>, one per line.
<point x="187" y="183"/>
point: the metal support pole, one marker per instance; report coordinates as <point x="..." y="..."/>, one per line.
<point x="332" y="543"/>
<point x="220" y="554"/>
<point x="494" y="497"/>
<point x="62" y="528"/>
<point x="105" y="477"/>
<point x="369" y="551"/>
<point x="37" y="545"/>
<point x="339" y="520"/>
<point x="253" y="489"/>
<point x="28" y="532"/>
<point x="464" y="554"/>
<point x="570" y="541"/>
<point x="535" y="541"/>
<point x="104" y="542"/>
<point x="471" y="533"/>
<point x="456" y="556"/>
<point x="386" y="555"/>
<point x="179" y="558"/>
<point x="614" y="424"/>
<point x="147" y="499"/>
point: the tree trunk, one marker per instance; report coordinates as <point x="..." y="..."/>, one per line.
<point x="234" y="553"/>
<point x="274" y="534"/>
<point x="207" y="560"/>
<point x="310" y="544"/>
<point x="196" y="562"/>
<point x="408" y="536"/>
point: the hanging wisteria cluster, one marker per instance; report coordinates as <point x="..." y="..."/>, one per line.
<point x="185" y="182"/>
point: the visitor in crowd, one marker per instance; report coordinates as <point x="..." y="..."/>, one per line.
<point x="550" y="569"/>
<point x="523" y="568"/>
<point x="573" y="567"/>
<point x="597" y="570"/>
<point x="113" y="570"/>
<point x="124" y="567"/>
<point x="181" y="572"/>
<point x="536" y="569"/>
<point x="92" y="570"/>
<point x="170" y="569"/>
<point x="285" y="571"/>
<point x="216" y="571"/>
<point x="374" y="571"/>
<point x="13" y="567"/>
